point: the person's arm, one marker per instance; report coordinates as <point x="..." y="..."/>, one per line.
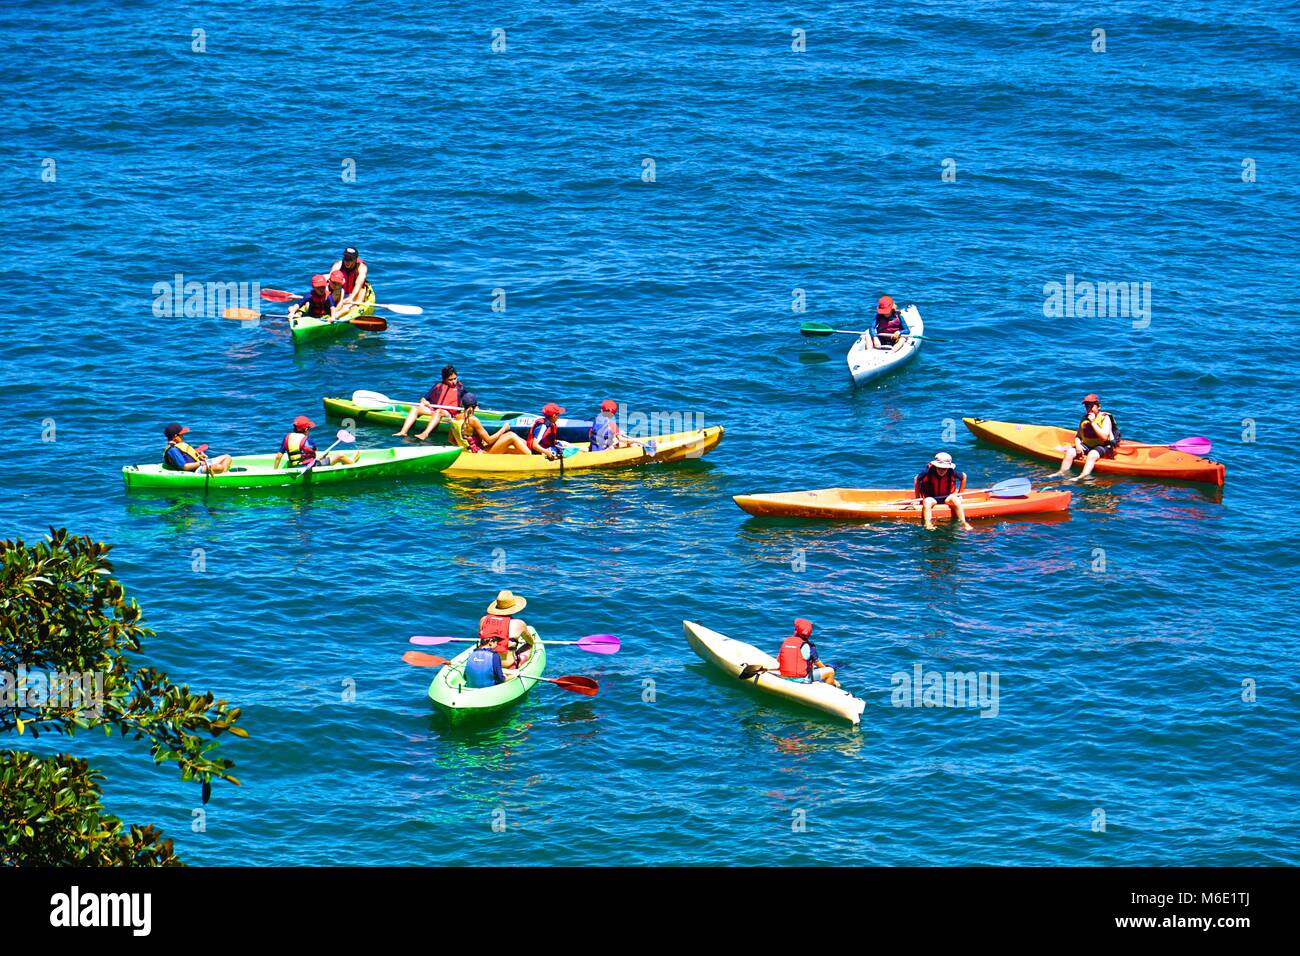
<point x="1106" y="434"/>
<point x="902" y="325"/>
<point x="299" y="305"/>
<point x="916" y="487"/>
<point x="962" y="485"/>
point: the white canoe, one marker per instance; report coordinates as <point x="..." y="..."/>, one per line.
<point x="731" y="656"/>
<point x="867" y="363"/>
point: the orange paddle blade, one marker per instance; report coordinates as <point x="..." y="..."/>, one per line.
<point x="241" y="315"/>
<point x="421" y="659"/>
<point x="370" y="323"/>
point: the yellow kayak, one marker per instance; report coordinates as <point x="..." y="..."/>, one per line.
<point x="677" y="446"/>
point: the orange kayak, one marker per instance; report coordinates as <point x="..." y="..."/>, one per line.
<point x="1041" y="441"/>
<point x="867" y="504"/>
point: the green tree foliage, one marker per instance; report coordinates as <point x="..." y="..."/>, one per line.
<point x="61" y="612"/>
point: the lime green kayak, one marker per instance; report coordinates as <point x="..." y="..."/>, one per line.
<point x="255" y="472"/>
<point x="306" y="329"/>
<point x="394" y="414"/>
<point x="450" y="695"/>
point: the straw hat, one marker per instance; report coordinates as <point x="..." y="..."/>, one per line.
<point x="507" y="603"/>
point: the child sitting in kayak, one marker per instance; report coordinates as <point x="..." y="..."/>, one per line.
<point x="1097" y="437"/>
<point x="179" y="455"/>
<point x="443" y="400"/>
<point x="889" y="327"/>
<point x="468" y="432"/>
<point x="941" y="484"/>
<point x="605" y="433"/>
<point x="483" y="668"/>
<point x="500" y="630"/>
<point x="544" y="436"/>
<point x="798" y="658"/>
<point x="319" y="304"/>
<point x="301" y="450"/>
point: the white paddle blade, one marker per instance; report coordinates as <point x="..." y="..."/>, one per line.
<point x="345" y="436"/>
<point x="402" y="309"/>
<point x="368" y="399"/>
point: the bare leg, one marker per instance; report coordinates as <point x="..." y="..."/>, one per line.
<point x="411" y="416"/>
<point x="927" y="512"/>
<point x="1067" y="459"/>
<point x="1088" y="464"/>
<point x="219" y="464"/>
<point x="508" y="443"/>
<point x="958" y="508"/>
<point x="437" y="416"/>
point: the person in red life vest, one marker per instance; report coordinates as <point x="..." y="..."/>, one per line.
<point x="298" y="447"/>
<point x="798" y="658"/>
<point x="319" y="304"/>
<point x="941" y="484"/>
<point x="1097" y="437"/>
<point x="179" y="455"/>
<point x="501" y="630"/>
<point x="444" y="400"/>
<point x="356" y="278"/>
<point x="889" y="328"/>
<point x="544" y="436"/>
<point x="468" y="432"/>
<point x="336" y="291"/>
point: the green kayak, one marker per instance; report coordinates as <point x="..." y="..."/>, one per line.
<point x="254" y="472"/>
<point x="450" y="695"/>
<point x="306" y="329"/>
<point x="395" y="414"/>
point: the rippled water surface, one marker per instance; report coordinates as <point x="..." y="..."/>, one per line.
<point x="1119" y="691"/>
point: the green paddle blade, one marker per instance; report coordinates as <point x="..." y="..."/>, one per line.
<point x="814" y="329"/>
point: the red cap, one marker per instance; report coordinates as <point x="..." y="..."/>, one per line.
<point x="338" y="276"/>
<point x="1090" y="398"/>
<point x="551" y="409"/>
<point x="302" y="421"/>
<point x="885" y="305"/>
<point x="609" y="405"/>
<point x="318" y="281"/>
<point x="802" y="627"/>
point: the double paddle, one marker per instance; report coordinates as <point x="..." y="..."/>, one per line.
<point x="342" y="436"/>
<point x="820" y="330"/>
<point x="592" y="643"/>
<point x="1010" y="488"/>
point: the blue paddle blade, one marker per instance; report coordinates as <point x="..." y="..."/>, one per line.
<point x="1011" y="488"/>
<point x="651" y="448"/>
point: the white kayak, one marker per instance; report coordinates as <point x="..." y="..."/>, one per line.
<point x="731" y="656"/>
<point x="867" y="362"/>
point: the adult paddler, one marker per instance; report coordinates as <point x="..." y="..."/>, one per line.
<point x="941" y="484"/>
<point x="179" y="455"/>
<point x="501" y="630"/>
<point x="468" y="432"/>
<point x="798" y="658"/>
<point x="889" y="327"/>
<point x="1096" y="437"/>
<point x="444" y="399"/>
<point x="356" y="278"/>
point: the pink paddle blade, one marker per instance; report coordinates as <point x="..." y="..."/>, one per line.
<point x="429" y="640"/>
<point x="1193" y="446"/>
<point x="600" y="644"/>
<point x="279" y="295"/>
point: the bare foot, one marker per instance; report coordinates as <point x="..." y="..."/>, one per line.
<point x="929" y="527"/>
<point x="399" y="434"/>
<point x="966" y="526"/>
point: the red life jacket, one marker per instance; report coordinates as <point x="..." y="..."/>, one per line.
<point x="890" y="324"/>
<point x="444" y="394"/>
<point x="937" y="482"/>
<point x="543" y="435"/>
<point x="319" y="306"/>
<point x="790" y="657"/>
<point x="496" y="628"/>
<point x="350" y="278"/>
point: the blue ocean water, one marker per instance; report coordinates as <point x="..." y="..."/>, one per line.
<point x="1166" y="159"/>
